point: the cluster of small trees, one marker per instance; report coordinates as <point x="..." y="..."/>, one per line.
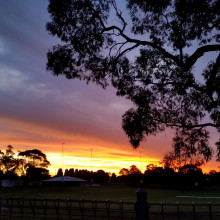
<point x="187" y="176"/>
<point x="99" y="176"/>
<point x="31" y="165"/>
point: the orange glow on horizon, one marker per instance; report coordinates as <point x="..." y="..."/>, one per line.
<point x="96" y="163"/>
<point x="108" y="164"/>
<point x="111" y="154"/>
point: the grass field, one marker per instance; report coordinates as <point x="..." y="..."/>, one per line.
<point x="115" y="193"/>
<point x="201" y="197"/>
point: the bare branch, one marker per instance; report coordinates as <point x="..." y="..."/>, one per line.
<point x="115" y="45"/>
<point x="193" y="126"/>
<point x="210" y="81"/>
<point x="126" y="50"/>
<point x="119" y="15"/>
<point x="144" y="43"/>
<point x="199" y="53"/>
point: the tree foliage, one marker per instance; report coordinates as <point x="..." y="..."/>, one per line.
<point x="151" y="52"/>
<point x="34" y="164"/>
<point x="175" y="160"/>
<point x="60" y="172"/>
<point x="8" y="163"/>
<point x="30" y="164"/>
<point x="34" y="158"/>
<point x="124" y="172"/>
<point x="131" y="171"/>
<point x="99" y="176"/>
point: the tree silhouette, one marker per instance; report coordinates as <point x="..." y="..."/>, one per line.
<point x="132" y="175"/>
<point x="34" y="165"/>
<point x="134" y="170"/>
<point x="178" y="160"/>
<point x="71" y="172"/>
<point x="60" y="172"/>
<point x="191" y="174"/>
<point x="124" y="172"/>
<point x="170" y="160"/>
<point x="113" y="178"/>
<point x="30" y="164"/>
<point x="101" y="176"/>
<point x="34" y="158"/>
<point x="8" y="163"/>
<point x="36" y="174"/>
<point x="150" y="51"/>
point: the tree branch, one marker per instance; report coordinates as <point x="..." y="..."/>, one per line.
<point x="194" y="85"/>
<point x="193" y="126"/>
<point x="126" y="50"/>
<point x="184" y="66"/>
<point x="210" y="81"/>
<point x="119" y="14"/>
<point x="198" y="53"/>
<point x="144" y="43"/>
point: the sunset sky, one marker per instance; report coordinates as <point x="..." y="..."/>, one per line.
<point x="38" y="110"/>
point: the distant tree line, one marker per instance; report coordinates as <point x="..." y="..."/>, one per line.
<point x="30" y="165"/>
<point x="99" y="176"/>
<point x="188" y="176"/>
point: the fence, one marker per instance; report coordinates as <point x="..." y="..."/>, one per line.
<point x="184" y="211"/>
<point x="25" y="209"/>
<point x="20" y="208"/>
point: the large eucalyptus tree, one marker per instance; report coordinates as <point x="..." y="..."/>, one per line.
<point x="163" y="55"/>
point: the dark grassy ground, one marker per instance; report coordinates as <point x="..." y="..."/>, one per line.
<point x="113" y="193"/>
<point x="122" y="193"/>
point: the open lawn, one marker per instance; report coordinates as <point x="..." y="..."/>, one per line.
<point x="115" y="193"/>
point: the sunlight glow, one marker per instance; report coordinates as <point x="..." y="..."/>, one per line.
<point x="106" y="154"/>
<point x="107" y="164"/>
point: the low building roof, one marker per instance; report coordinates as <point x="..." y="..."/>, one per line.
<point x="64" y="179"/>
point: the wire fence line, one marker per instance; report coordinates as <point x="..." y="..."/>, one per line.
<point x="31" y="208"/>
<point x="23" y="208"/>
<point x="184" y="211"/>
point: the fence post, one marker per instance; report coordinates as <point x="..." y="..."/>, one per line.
<point x="141" y="205"/>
